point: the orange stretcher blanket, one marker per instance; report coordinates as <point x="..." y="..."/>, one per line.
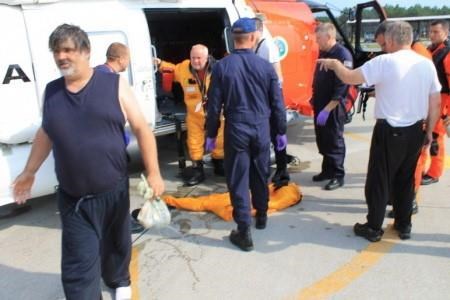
<point x="220" y="204"/>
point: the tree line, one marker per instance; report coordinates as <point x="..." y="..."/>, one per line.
<point x="396" y="11"/>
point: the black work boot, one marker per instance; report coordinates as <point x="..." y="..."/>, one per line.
<point x="260" y="220"/>
<point x="242" y="239"/>
<point x="195" y="174"/>
<point x="218" y="167"/>
<point x="280" y="178"/>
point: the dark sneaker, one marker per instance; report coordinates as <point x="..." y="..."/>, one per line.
<point x="320" y="177"/>
<point x="218" y="167"/>
<point x="403" y="233"/>
<point x="334" y="183"/>
<point x="242" y="239"/>
<point x="427" y="179"/>
<point x="368" y="233"/>
<point x="260" y="220"/>
<point x="415" y="210"/>
<point x="280" y="178"/>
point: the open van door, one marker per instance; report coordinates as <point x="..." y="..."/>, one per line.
<point x="368" y="16"/>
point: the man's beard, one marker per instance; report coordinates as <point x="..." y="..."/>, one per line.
<point x="67" y="72"/>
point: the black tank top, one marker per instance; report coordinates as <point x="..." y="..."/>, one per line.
<point x="87" y="130"/>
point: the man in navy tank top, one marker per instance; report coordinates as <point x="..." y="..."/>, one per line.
<point x="83" y="122"/>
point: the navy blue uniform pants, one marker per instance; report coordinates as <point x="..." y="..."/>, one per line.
<point x="246" y="161"/>
<point x="394" y="152"/>
<point x="96" y="241"/>
<point x="331" y="144"/>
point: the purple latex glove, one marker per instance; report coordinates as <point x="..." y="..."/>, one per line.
<point x="210" y="144"/>
<point x="281" y="141"/>
<point x="323" y="117"/>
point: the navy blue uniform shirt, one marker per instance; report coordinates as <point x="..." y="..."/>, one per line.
<point x="247" y="87"/>
<point x="326" y="85"/>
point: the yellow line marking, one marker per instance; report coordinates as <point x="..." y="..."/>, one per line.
<point x="346" y="274"/>
<point x="357" y="136"/>
<point x="447" y="162"/>
<point x="356" y="267"/>
<point x="134" y="273"/>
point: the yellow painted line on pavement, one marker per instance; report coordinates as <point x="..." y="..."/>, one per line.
<point x="356" y="267"/>
<point x="357" y="136"/>
<point x="447" y="162"/>
<point x="134" y="273"/>
<point x="349" y="272"/>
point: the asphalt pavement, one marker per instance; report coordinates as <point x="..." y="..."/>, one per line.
<point x="307" y="251"/>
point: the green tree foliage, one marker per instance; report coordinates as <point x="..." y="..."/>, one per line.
<point x="396" y="11"/>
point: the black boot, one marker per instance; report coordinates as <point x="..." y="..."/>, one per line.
<point x="242" y="239"/>
<point x="260" y="220"/>
<point x="218" y="167"/>
<point x="195" y="174"/>
<point x="280" y="178"/>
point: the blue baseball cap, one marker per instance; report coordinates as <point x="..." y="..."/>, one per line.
<point x="244" y="25"/>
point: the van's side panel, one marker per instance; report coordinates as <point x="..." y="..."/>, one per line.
<point x="19" y="109"/>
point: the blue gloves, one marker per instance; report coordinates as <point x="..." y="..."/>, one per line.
<point x="281" y="141"/>
<point x="323" y="117"/>
<point x="210" y="144"/>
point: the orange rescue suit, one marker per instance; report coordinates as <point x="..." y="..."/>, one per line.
<point x="220" y="204"/>
<point x="437" y="162"/>
<point x="419" y="48"/>
<point x="195" y="113"/>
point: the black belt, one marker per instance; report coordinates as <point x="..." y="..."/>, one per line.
<point x="385" y="122"/>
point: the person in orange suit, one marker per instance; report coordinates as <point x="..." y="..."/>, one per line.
<point x="440" y="50"/>
<point x="194" y="75"/>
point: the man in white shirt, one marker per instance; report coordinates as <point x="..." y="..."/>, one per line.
<point x="407" y="89"/>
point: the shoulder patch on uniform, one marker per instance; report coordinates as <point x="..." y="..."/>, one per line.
<point x="348" y="64"/>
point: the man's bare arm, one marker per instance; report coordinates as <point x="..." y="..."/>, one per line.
<point x="348" y="76"/>
<point x="145" y="137"/>
<point x="40" y="150"/>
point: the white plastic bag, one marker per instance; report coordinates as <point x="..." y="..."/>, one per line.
<point x="154" y="212"/>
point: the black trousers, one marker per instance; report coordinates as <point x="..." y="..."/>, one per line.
<point x="246" y="162"/>
<point x="394" y="152"/>
<point x="96" y="241"/>
<point x="331" y="144"/>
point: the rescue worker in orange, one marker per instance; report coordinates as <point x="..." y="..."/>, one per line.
<point x="440" y="50"/>
<point x="194" y="76"/>
<point x="419" y="48"/>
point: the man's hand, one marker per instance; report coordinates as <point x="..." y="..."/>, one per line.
<point x="327" y="64"/>
<point x="323" y="117"/>
<point x="157" y="184"/>
<point x="210" y="144"/>
<point x="22" y="187"/>
<point x="281" y="141"/>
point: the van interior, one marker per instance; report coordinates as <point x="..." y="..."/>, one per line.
<point x="173" y="32"/>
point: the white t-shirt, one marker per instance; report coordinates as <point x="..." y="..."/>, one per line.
<point x="268" y="49"/>
<point x="403" y="82"/>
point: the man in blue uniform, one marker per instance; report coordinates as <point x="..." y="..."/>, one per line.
<point x="247" y="88"/>
<point x="329" y="93"/>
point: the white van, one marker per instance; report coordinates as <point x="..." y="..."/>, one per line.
<point x="26" y="64"/>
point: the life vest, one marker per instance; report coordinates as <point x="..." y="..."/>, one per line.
<point x="439" y="54"/>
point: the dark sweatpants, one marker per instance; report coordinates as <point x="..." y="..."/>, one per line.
<point x="96" y="241"/>
<point x="394" y="152"/>
<point x="331" y="144"/>
<point x="246" y="161"/>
